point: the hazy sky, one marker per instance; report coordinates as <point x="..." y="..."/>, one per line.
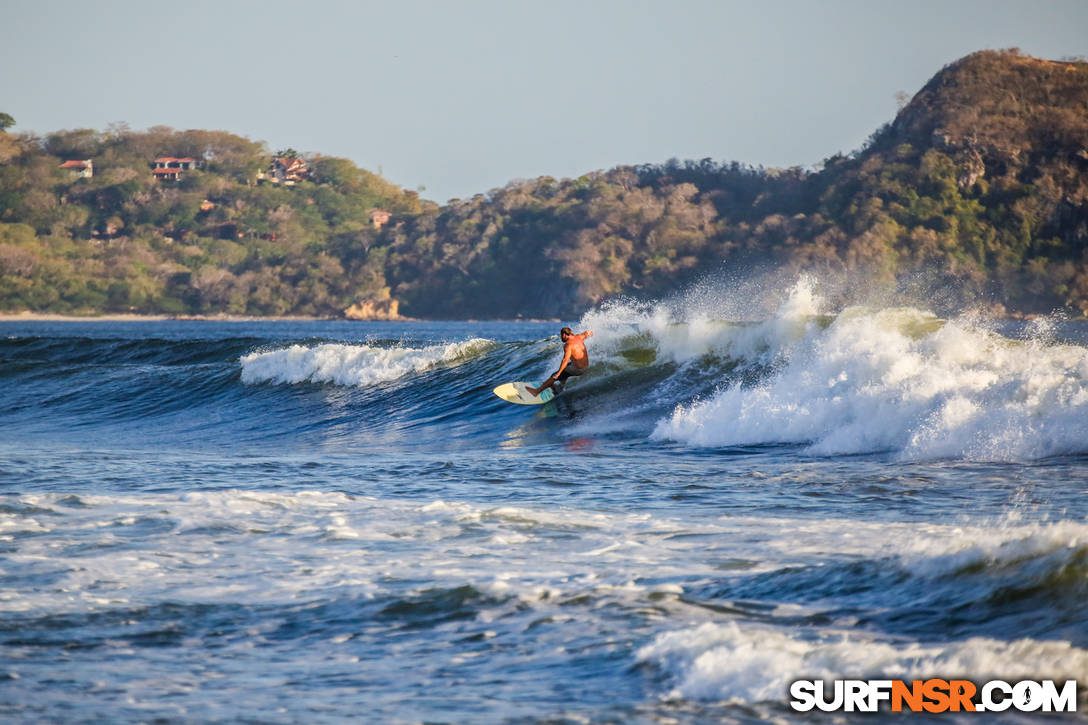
<point x="461" y="97"/>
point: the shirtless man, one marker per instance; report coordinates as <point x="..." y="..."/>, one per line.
<point x="575" y="359"/>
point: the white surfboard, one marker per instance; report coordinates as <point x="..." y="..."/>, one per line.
<point x="518" y="393"/>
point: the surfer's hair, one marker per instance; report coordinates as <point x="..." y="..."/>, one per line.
<point x="565" y="331"/>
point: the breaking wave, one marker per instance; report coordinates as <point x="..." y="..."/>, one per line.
<point x="891" y="380"/>
<point x="356" y="365"/>
<point x="748" y="663"/>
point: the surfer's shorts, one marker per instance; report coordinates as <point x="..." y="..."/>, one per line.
<point x="571" y="372"/>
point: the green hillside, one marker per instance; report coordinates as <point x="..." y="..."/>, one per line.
<point x="979" y="187"/>
<point x="215" y="239"/>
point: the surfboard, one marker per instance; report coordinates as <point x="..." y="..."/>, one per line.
<point x="517" y="393"/>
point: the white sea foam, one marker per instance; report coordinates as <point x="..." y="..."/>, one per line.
<point x="265" y="546"/>
<point x="355" y="365"/>
<point x="749" y="663"/>
<point x="535" y="563"/>
<point x="250" y="543"/>
<point x="682" y="336"/>
<point x="898" y="380"/>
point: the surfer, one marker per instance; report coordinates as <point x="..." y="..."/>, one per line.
<point x="575" y="359"/>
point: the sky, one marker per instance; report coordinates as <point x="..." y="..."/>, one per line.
<point x="456" y="98"/>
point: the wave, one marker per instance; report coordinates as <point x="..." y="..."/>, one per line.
<point x="748" y="663"/>
<point x="896" y="380"/>
<point x="72" y="352"/>
<point x="355" y="365"/>
<point x="893" y="381"/>
<point x="1003" y="601"/>
<point x="817" y="564"/>
<point x="916" y="579"/>
<point x="520" y="564"/>
<point x="516" y="568"/>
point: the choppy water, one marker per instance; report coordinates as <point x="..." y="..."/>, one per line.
<point x="330" y="522"/>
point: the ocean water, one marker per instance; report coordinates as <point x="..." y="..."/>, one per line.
<point x="328" y="522"/>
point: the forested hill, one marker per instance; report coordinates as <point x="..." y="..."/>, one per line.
<point x="979" y="183"/>
<point x="187" y="222"/>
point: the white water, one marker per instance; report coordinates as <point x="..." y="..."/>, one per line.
<point x="517" y="573"/>
<point x="691" y="333"/>
<point x="535" y="563"/>
<point x="354" y="365"/>
<point x="240" y="539"/>
<point x="866" y="380"/>
<point x="747" y="663"/>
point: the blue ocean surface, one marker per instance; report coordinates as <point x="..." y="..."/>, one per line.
<point x="326" y="522"/>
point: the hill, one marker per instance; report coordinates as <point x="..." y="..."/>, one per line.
<point x="186" y="222"/>
<point x="979" y="187"/>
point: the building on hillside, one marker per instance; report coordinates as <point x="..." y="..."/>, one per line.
<point x="286" y="170"/>
<point x="169" y="168"/>
<point x="378" y="217"/>
<point x="169" y="162"/>
<point x="80" y="168"/>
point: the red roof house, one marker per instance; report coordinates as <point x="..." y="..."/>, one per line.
<point x="169" y="168"/>
<point x="82" y="168"/>
<point x="165" y="174"/>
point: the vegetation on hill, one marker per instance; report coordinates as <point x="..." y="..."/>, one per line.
<point x="214" y="240"/>
<point x="983" y="175"/>
<point x="981" y="181"/>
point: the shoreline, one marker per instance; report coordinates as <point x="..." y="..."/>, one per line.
<point x="122" y="317"/>
<point x="130" y="317"/>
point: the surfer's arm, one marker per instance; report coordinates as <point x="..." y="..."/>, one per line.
<point x="562" y="365"/>
<point x="553" y="378"/>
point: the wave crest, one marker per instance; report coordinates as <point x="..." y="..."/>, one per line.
<point x="904" y="381"/>
<point x="352" y="365"/>
<point x="754" y="664"/>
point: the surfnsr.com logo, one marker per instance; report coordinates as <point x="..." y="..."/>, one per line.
<point x="933" y="695"/>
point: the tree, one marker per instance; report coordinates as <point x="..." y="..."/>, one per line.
<point x="6" y="122"/>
